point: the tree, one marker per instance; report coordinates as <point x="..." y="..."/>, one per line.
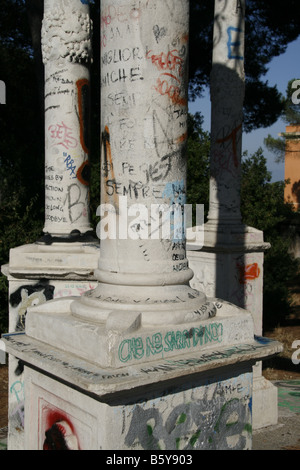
<point x="263" y="207"/>
<point x="198" y="163"/>
<point x="270" y="26"/>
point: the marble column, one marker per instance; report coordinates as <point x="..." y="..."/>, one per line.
<point x="229" y="264"/>
<point x="63" y="261"/>
<point x="227" y="89"/>
<point x="143" y="167"/>
<point x="67" y="52"/>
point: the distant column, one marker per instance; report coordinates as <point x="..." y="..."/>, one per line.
<point x="66" y="47"/>
<point x="227" y="97"/>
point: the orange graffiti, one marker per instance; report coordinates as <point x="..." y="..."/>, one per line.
<point x="232" y="137"/>
<point x="167" y="61"/>
<point x="248" y="273"/>
<point x="182" y="138"/>
<point x="173" y="91"/>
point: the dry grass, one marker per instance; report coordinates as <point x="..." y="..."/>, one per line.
<point x="281" y="367"/>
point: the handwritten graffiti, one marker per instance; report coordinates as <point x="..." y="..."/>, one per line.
<point x="62" y="135"/>
<point x="17" y="412"/>
<point x="70" y="165"/>
<point x="233" y="45"/>
<point x="250" y="272"/>
<point x="157" y="344"/>
<point x="212" y="421"/>
<point x="107" y="163"/>
<point x="170" y="61"/>
<point x="163" y="87"/>
<point x="159" y="33"/>
<point x="74" y="203"/>
<point x="83" y="89"/>
<point x="232" y="137"/>
<point x="120" y="13"/>
<point x="172" y="66"/>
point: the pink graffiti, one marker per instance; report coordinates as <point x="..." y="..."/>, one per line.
<point x="62" y="135"/>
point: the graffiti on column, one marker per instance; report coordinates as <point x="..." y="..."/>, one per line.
<point x="227" y="93"/>
<point x="66" y="47"/>
<point x="150" y="141"/>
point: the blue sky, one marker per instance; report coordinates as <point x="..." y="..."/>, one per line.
<point x="281" y="69"/>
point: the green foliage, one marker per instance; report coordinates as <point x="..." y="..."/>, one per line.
<point x="198" y="163"/>
<point x="277" y="146"/>
<point x="263" y="207"/>
<point x="269" y="28"/>
<point x="291" y="115"/>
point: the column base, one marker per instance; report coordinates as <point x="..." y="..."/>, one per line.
<point x="192" y="401"/>
<point x="38" y="273"/>
<point x="265" y="403"/>
<point x="74" y="260"/>
<point x="123" y="338"/>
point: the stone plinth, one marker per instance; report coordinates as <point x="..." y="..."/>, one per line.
<point x="38" y="273"/>
<point x="230" y="266"/>
<point x="193" y="401"/>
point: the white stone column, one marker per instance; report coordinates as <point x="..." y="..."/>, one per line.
<point x="66" y="47"/>
<point x="143" y="164"/>
<point x="230" y="264"/>
<point x="227" y="97"/>
<point x="62" y="263"/>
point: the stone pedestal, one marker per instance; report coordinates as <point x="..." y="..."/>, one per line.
<point x="193" y="401"/>
<point x="230" y="266"/>
<point x="36" y="274"/>
<point x="63" y="262"/>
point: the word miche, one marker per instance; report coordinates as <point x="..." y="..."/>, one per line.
<point x="122" y="75"/>
<point x="137" y="348"/>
